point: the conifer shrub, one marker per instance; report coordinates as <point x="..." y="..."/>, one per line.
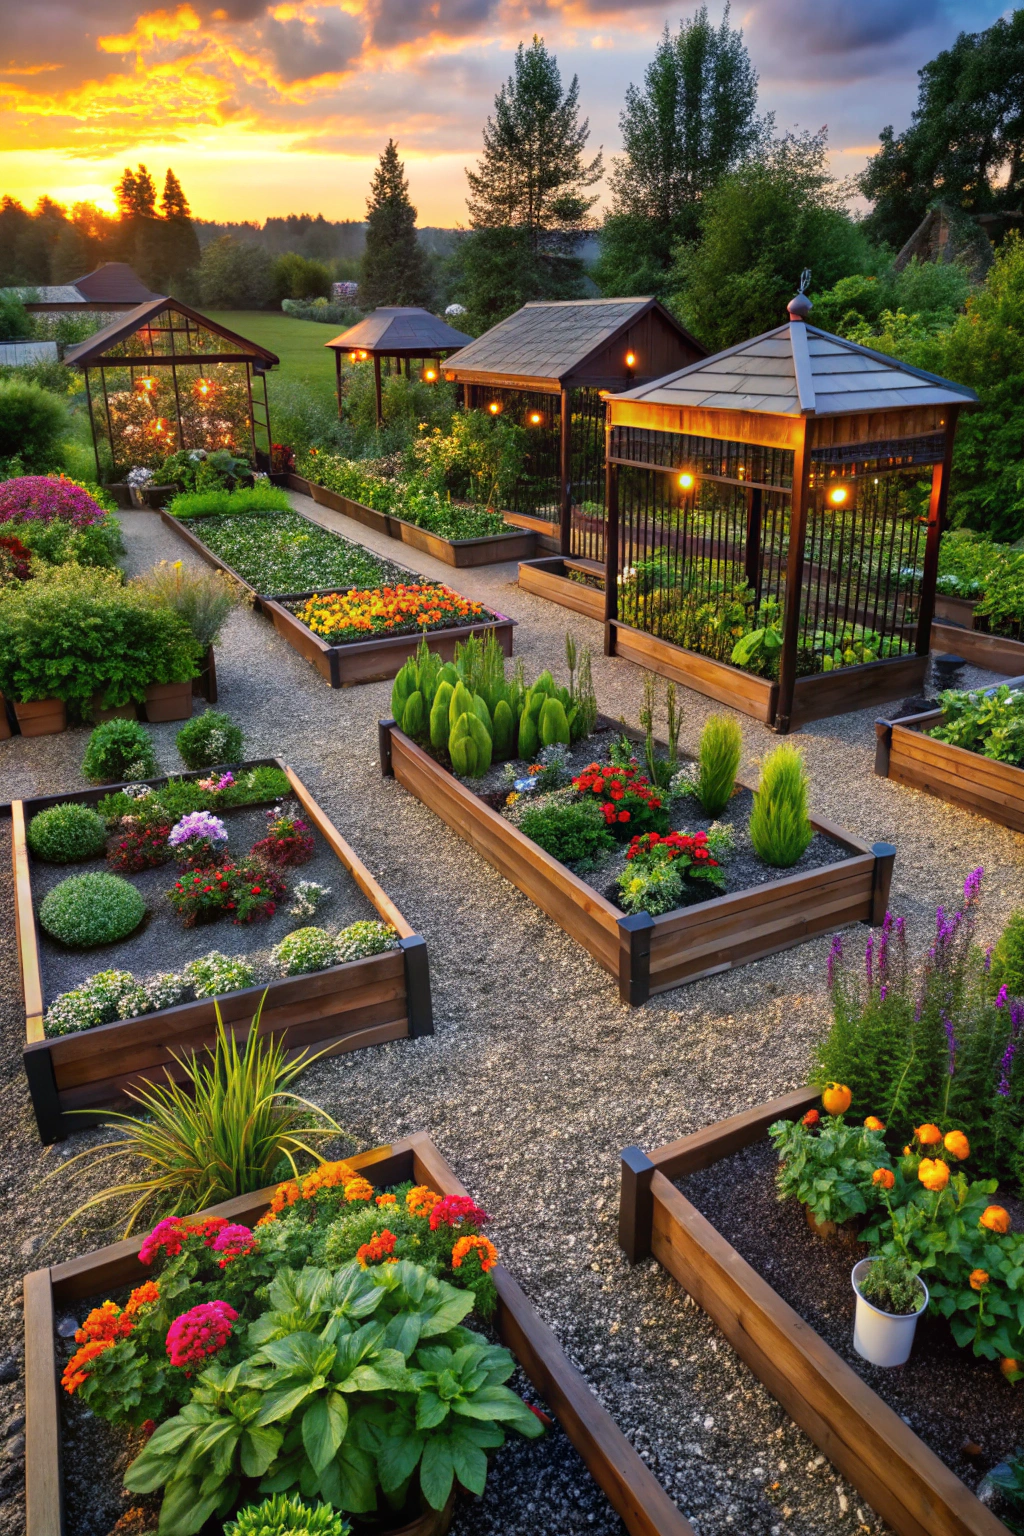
<point x="67" y="833"/>
<point x="780" y="828"/>
<point x="721" y="745"/>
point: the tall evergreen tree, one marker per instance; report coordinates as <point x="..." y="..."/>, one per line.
<point x="694" y="120"/>
<point x="965" y="143"/>
<point x="135" y="194"/>
<point x="177" y="244"/>
<point x="394" y="268"/>
<point x="532" y="175"/>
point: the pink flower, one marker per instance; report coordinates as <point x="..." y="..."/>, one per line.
<point x="166" y="1237"/>
<point x="234" y="1242"/>
<point x="200" y="1332"/>
<point x="41" y="498"/>
<point x="455" y="1209"/>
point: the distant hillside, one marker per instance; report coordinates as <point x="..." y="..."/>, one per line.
<point x="314" y="236"/>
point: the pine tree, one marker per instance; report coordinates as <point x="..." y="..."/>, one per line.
<point x="694" y="120"/>
<point x="174" y="203"/>
<point x="394" y="268"/>
<point x="136" y="194"/>
<point x="532" y="175"/>
<point x="176" y="249"/>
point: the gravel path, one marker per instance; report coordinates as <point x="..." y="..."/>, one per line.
<point x="537" y="1076"/>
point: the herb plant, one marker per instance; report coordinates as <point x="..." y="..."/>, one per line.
<point x="213" y="974"/>
<point x="304" y="950"/>
<point x="780" y="828"/>
<point x="209" y="740"/>
<point x="87" y="910"/>
<point x="365" y="938"/>
<point x="829" y="1166"/>
<point x="67" y="833"/>
<point x="202" y="597"/>
<point x="282" y="553"/>
<point x="1007" y="961"/>
<point x="119" y="750"/>
<point x="891" y="1285"/>
<point x="721" y="746"/>
<point x="573" y="833"/>
<point x="988" y="721"/>
<point x="287" y="1515"/>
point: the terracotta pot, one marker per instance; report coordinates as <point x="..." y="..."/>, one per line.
<point x="42" y="717"/>
<point x="168" y="701"/>
<point x="100" y="713"/>
<point x="833" y="1232"/>
<point x="433" y="1522"/>
<point x="5" y="725"/>
<point x="205" y="685"/>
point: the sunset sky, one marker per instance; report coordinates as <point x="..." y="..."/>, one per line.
<point x="281" y="108"/>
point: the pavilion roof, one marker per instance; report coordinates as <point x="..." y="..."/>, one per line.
<point x="400" y="328"/>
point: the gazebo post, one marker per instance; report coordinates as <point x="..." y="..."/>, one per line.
<point x="92" y="425"/>
<point x="794" y="579"/>
<point x="376" y="381"/>
<point x="752" y="560"/>
<point x="337" y="376"/>
<point x="565" y="474"/>
<point x="611" y="555"/>
<point x="936" y="523"/>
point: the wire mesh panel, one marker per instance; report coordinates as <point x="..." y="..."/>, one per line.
<point x="537" y="490"/>
<point x="586" y="474"/>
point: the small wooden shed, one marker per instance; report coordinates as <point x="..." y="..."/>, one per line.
<point x="793" y="487"/>
<point x="552" y="365"/>
<point x="169" y="378"/>
<point x="396" y="331"/>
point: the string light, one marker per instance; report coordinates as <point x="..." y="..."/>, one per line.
<point x="839" y="496"/>
<point x="686" y="481"/>
<point x="146" y="385"/>
<point x="363" y="356"/>
<point x="494" y="407"/>
<point x="203" y="386"/>
<point x="535" y="418"/>
<point x="353" y="357"/>
<point x="630" y="359"/>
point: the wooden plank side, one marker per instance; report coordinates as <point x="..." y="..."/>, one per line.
<point x="957" y="763"/>
<point x="43" y="1512"/>
<point x="556" y="587"/>
<point x="850" y="688"/>
<point x="25" y="925"/>
<point x="708" y="914"/>
<point x="750" y="695"/>
<point x="901" y="1478"/>
<point x="377" y="660"/>
<point x="702" y="1148"/>
<point x="994" y="652"/>
<point x="584" y="914"/>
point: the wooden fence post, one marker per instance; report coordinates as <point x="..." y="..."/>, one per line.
<point x="885" y="857"/>
<point x="384" y="747"/>
<point x="417" y="986"/>
<point x="936" y="523"/>
<point x="636" y="1204"/>
<point x="883" y="747"/>
<point x="565" y="475"/>
<point x="611" y="552"/>
<point x="635" y="958"/>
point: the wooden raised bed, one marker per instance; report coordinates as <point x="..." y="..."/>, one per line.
<point x="906" y="753"/>
<point x="490" y="549"/>
<point x="362" y="661"/>
<point x="550" y="578"/>
<point x="615" y="1466"/>
<point x="904" y="1481"/>
<point x="996" y="653"/>
<point x="547" y="530"/>
<point x="651" y="954"/>
<point x="361" y="1003"/>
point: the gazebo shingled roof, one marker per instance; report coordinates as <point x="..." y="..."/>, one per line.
<point x="399" y="329"/>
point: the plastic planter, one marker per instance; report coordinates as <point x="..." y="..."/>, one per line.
<point x="882" y="1338"/>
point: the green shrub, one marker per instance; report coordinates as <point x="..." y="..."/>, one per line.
<point x="119" y="751"/>
<point x="219" y="503"/>
<point x="304" y="950"/>
<point x="987" y="721"/>
<point x="1007" y="968"/>
<point x="780" y="829"/>
<point x="214" y="974"/>
<point x="208" y="741"/>
<point x="32" y="423"/>
<point x="61" y="542"/>
<point x="88" y="910"/>
<point x="203" y="598"/>
<point x="286" y="1515"/>
<point x="101" y="999"/>
<point x="359" y="940"/>
<point x="67" y="833"/>
<point x="721" y="746"/>
<point x="571" y="833"/>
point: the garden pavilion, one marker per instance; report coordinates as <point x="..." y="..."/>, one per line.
<point x="398" y="332"/>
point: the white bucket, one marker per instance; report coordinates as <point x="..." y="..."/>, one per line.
<point x="883" y="1338"/>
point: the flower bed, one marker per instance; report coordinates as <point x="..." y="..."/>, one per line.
<point x="112" y="1026"/>
<point x="572" y="858"/>
<point x="338" y="617"/>
<point x="644" y="1506"/>
<point x="951" y="765"/>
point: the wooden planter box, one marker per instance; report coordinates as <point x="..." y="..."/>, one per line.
<point x="550" y="578"/>
<point x="904" y="1481"/>
<point x="41" y="717"/>
<point x="546" y="529"/>
<point x="517" y="544"/>
<point x="168" y="701"/>
<point x="996" y="653"/>
<point x="955" y="610"/>
<point x="343" y="1008"/>
<point x="370" y="661"/>
<point x="905" y="752"/>
<point x="630" y="1486"/>
<point x="651" y="954"/>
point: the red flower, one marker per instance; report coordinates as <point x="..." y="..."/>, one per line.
<point x="623" y="816"/>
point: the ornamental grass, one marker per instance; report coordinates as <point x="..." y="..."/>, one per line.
<point x="224" y="1131"/>
<point x="340" y="616"/>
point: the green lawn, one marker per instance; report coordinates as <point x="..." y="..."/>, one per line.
<point x="298" y="343"/>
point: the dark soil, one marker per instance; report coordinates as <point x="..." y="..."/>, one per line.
<point x="949" y="1398"/>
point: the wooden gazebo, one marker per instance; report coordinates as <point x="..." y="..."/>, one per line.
<point x="552" y="365"/>
<point x="169" y="378"/>
<point x="396" y="332"/>
<point x="782" y="477"/>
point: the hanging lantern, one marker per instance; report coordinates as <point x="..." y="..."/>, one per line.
<point x="353" y="357"/>
<point x="630" y="359"/>
<point x="158" y="426"/>
<point x="429" y="375"/>
<point x="363" y="356"/>
<point x="839" y="496"/>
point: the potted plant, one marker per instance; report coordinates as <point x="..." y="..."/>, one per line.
<point x="890" y="1298"/>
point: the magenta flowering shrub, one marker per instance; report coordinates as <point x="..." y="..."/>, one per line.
<point x="453" y="1210"/>
<point x="41" y="498"/>
<point x="199" y="1333"/>
<point x="234" y="1242"/>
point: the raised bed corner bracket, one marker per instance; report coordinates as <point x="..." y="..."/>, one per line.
<point x="885" y="857"/>
<point x="636" y="1204"/>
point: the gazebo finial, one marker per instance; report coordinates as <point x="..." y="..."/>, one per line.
<point x="800" y="306"/>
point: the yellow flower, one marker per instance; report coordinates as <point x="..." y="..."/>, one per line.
<point x="995" y="1218"/>
<point x="957" y="1145"/>
<point x="928" y="1135"/>
<point x="872" y="1123"/>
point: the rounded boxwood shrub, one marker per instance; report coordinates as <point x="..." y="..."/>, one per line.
<point x="304" y="950"/>
<point x="359" y="940"/>
<point x="213" y="974"/>
<point x="32" y="423"/>
<point x="209" y="740"/>
<point x="67" y="833"/>
<point x="119" y="750"/>
<point x="92" y="909"/>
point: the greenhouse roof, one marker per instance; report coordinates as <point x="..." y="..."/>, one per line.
<point x="145" y="316"/>
<point x="799" y="370"/>
<point x="400" y="329"/>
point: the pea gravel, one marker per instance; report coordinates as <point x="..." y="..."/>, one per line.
<point x="537" y="1076"/>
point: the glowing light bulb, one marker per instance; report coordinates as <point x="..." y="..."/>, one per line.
<point x="839" y="496"/>
<point x="202" y="386"/>
<point x="494" y="407"/>
<point x="146" y="385"/>
<point x="630" y="359"/>
<point x="686" y="481"/>
<point x="430" y="374"/>
<point x="353" y="357"/>
<point x="536" y="418"/>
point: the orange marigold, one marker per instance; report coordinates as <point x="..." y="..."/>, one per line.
<point x="379" y="1247"/>
<point x="928" y="1135"/>
<point x="75" y="1372"/>
<point x="872" y="1123"/>
<point x="327" y="1176"/>
<point x="105" y="1323"/>
<point x="1010" y="1368"/>
<point x="957" y="1145"/>
<point x="284" y="1194"/>
<point x="421" y="1200"/>
<point x="884" y="1177"/>
<point x="142" y="1296"/>
<point x="483" y="1245"/>
<point x="933" y="1173"/>
<point x="979" y="1277"/>
<point x="358" y="1189"/>
<point x="995" y="1218"/>
<point x="386" y="1200"/>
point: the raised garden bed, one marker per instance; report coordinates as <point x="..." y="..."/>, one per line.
<point x="815" y="697"/>
<point x="516" y="544"/>
<point x="631" y="1488"/>
<point x="546" y="530"/>
<point x="342" y="1008"/>
<point x="652" y="954"/>
<point x="996" y="653"/>
<point x="905" y="752"/>
<point x="550" y="578"/>
<point x="361" y="661"/>
<point x="867" y="1440"/>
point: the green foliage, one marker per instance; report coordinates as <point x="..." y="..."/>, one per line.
<point x="284" y="1515"/>
<point x="365" y="938"/>
<point x="573" y="833"/>
<point x="15" y="321"/>
<point x="304" y="950"/>
<point x="59" y="542"/>
<point x="119" y="751"/>
<point x="87" y="910"/>
<point x="196" y="470"/>
<point x="778" y="212"/>
<point x="284" y="552"/>
<point x="780" y="828"/>
<point x="891" y="1285"/>
<point x="719" y="753"/>
<point x="67" y="833"/>
<point x="660" y="870"/>
<point x="553" y="723"/>
<point x="829" y="1169"/>
<point x="480" y="456"/>
<point x="394" y="268"/>
<point x="32" y="424"/>
<point x="235" y="274"/>
<point x="171" y="801"/>
<point x="932" y="292"/>
<point x="1007" y="961"/>
<point x="214" y="974"/>
<point x="222" y="1132"/>
<point x="202" y="597"/>
<point x="412" y="498"/>
<point x="496" y="271"/>
<point x="987" y="721"/>
<point x="300" y="277"/>
<point x="218" y="502"/>
<point x="209" y="740"/>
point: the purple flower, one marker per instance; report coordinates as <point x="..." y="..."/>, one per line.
<point x="883" y="992"/>
<point x="972" y="885"/>
<point x="988" y="958"/>
<point x="198" y="824"/>
<point x="901" y="929"/>
<point x="1001" y="997"/>
<point x="1005" y="1066"/>
<point x="225" y="780"/>
<point x="41" y="498"/>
